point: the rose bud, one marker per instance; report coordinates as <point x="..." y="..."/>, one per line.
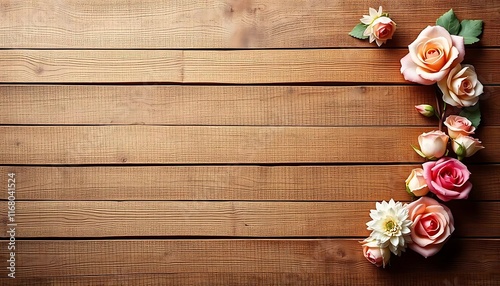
<point x="433" y="145"/>
<point x="425" y="109"/>
<point x="458" y="125"/>
<point x="465" y="146"/>
<point x="416" y="183"/>
<point x="377" y="255"/>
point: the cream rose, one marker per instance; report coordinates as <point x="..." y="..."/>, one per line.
<point x="458" y="125"/>
<point x="433" y="144"/>
<point x="461" y="87"/>
<point x="381" y="30"/>
<point x="432" y="225"/>
<point x="465" y="146"/>
<point x="377" y="255"/>
<point x="432" y="55"/>
<point x="416" y="184"/>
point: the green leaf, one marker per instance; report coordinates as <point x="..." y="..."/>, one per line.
<point x="472" y="113"/>
<point x="418" y="152"/>
<point x="357" y="31"/>
<point x="450" y="22"/>
<point x="470" y="30"/>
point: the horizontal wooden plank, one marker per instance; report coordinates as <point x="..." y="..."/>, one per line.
<point x="219" y="24"/>
<point x="224" y="105"/>
<point x="229" y="66"/>
<point x="220" y="219"/>
<point x="244" y="262"/>
<point x="255" y="183"/>
<point x="205" y="144"/>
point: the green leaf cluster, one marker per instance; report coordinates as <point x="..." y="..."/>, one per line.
<point x="468" y="29"/>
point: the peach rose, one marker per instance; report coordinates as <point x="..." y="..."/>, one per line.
<point x="432" y="226"/>
<point x="458" y="125"/>
<point x="377" y="255"/>
<point x="465" y="146"/>
<point x="432" y="55"/>
<point x="426" y="110"/>
<point x="461" y="87"/>
<point x="433" y="144"/>
<point x="447" y="178"/>
<point x="416" y="184"/>
<point x="381" y="30"/>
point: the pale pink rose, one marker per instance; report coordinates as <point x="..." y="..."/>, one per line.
<point x="433" y="144"/>
<point x="447" y="178"/>
<point x="432" y="226"/>
<point x="425" y="109"/>
<point x="461" y="87"/>
<point x="458" y="125"/>
<point x="432" y="55"/>
<point x="465" y="146"/>
<point x="416" y="183"/>
<point x="377" y="255"/>
<point x="381" y="30"/>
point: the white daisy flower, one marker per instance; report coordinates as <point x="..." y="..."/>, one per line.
<point x="374" y="14"/>
<point x="390" y="226"/>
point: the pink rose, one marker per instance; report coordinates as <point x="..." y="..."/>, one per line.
<point x="377" y="255"/>
<point x="381" y="30"/>
<point x="459" y="125"/>
<point x="461" y="87"/>
<point x="448" y="178"/>
<point x="432" y="226"/>
<point x="432" y="55"/>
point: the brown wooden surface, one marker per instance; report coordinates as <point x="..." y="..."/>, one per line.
<point x="228" y="142"/>
<point x="230" y="183"/>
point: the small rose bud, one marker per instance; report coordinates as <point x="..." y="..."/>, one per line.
<point x="416" y="183"/>
<point x="375" y="253"/>
<point x="465" y="146"/>
<point x="425" y="110"/>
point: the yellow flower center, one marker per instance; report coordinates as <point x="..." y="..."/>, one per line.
<point x="391" y="227"/>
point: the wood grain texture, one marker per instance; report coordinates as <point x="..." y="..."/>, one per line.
<point x="247" y="262"/>
<point x="219" y="24"/>
<point x="225" y="105"/>
<point x="221" y="219"/>
<point x="228" y="66"/>
<point x="201" y="144"/>
<point x="220" y="183"/>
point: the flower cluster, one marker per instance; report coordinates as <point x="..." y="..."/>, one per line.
<point x="377" y="27"/>
<point x="425" y="224"/>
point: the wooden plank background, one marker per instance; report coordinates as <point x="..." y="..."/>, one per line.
<point x="228" y="142"/>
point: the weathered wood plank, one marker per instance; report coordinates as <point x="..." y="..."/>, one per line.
<point x="219" y="24"/>
<point x="221" y="219"/>
<point x="249" y="183"/>
<point x="206" y="144"/>
<point x="245" y="262"/>
<point x="224" y="105"/>
<point x="229" y="66"/>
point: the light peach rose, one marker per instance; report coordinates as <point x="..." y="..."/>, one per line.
<point x="461" y="87"/>
<point x="432" y="55"/>
<point x="377" y="255"/>
<point x="465" y="146"/>
<point x="433" y="144"/>
<point x="458" y="125"/>
<point x="381" y="30"/>
<point x="416" y="184"/>
<point x="432" y="226"/>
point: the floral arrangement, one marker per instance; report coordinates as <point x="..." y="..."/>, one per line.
<point x="434" y="58"/>
<point x="377" y="26"/>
